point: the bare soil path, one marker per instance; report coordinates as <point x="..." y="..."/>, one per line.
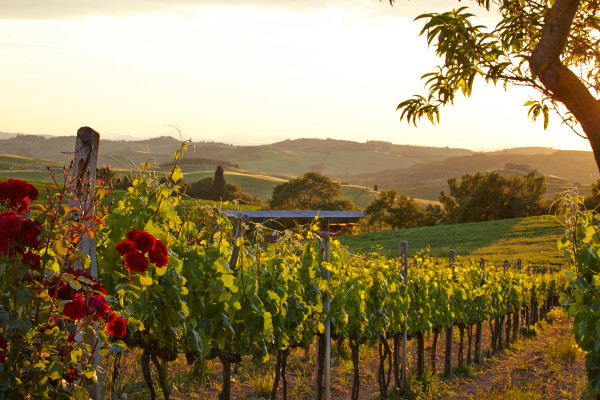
<point x="546" y="366"/>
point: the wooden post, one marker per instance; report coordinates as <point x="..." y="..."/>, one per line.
<point x="404" y="276"/>
<point x="85" y="161"/>
<point x="450" y="330"/>
<point x="325" y="273"/>
<point x="240" y="230"/>
<point x="477" y="357"/>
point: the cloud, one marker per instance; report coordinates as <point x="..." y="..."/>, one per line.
<point x="68" y="9"/>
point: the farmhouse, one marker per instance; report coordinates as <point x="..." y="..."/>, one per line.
<point x="525" y="168"/>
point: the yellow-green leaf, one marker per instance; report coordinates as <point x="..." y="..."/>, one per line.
<point x="227" y="280"/>
<point x="145" y="280"/>
<point x="221" y="266"/>
<point x="176" y="176"/>
<point x="161" y="271"/>
<point x="59" y="249"/>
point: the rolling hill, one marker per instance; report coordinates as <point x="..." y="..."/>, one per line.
<point x="417" y="171"/>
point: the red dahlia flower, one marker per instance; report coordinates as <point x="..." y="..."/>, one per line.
<point x="144" y="241"/>
<point x="76" y="309"/>
<point x="97" y="304"/>
<point x="136" y="261"/>
<point x="117" y="327"/>
<point x="16" y="194"/>
<point x="159" y="254"/>
<point x="30" y="232"/>
<point x="125" y="247"/>
<point x="132" y="234"/>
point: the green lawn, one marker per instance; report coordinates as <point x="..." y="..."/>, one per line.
<point x="533" y="240"/>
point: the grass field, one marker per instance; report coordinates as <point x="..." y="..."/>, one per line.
<point x="18" y="160"/>
<point x="261" y="185"/>
<point x="258" y="185"/>
<point x="533" y="240"/>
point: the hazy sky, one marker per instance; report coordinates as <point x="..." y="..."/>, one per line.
<point x="241" y="71"/>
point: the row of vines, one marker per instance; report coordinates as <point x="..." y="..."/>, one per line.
<point x="193" y="282"/>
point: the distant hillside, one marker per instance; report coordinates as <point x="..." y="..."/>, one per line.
<point x="417" y="171"/>
<point x="118" y="153"/>
<point x="571" y="166"/>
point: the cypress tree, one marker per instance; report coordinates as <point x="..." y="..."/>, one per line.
<point x="218" y="187"/>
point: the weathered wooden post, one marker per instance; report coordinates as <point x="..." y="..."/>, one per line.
<point x="502" y="319"/>
<point x="323" y="387"/>
<point x="450" y="330"/>
<point x="404" y="276"/>
<point x="85" y="161"/>
<point x="226" y="361"/>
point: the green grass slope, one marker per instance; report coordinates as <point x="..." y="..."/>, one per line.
<point x="261" y="184"/>
<point x="19" y="160"/>
<point x="533" y="240"/>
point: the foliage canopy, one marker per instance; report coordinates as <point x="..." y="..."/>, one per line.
<point x="313" y="191"/>
<point x="393" y="209"/>
<point x="487" y="197"/>
<point x="550" y="46"/>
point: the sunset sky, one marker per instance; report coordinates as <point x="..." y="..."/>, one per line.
<point x="242" y="72"/>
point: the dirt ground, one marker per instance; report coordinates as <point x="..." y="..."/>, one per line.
<point x="545" y="366"/>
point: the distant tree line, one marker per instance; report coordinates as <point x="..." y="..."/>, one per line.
<point x="479" y="197"/>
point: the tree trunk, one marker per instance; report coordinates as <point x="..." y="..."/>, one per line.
<point x="448" y="352"/>
<point x="277" y="375"/>
<point x="396" y="357"/>
<point x="564" y="85"/>
<point x="115" y="374"/>
<point x="508" y="326"/>
<point x="226" y="389"/>
<point x="163" y="379"/>
<point x="420" y="355"/>
<point x="145" y="361"/>
<point x="470" y="341"/>
<point x="478" y="343"/>
<point x="354" y="347"/>
<point x="499" y="331"/>
<point x="436" y="333"/>
<point x="383" y="378"/>
<point x="516" y="320"/>
<point x="493" y="335"/>
<point x="285" y="354"/>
